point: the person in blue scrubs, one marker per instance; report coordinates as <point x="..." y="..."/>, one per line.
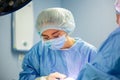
<point x="56" y="55"/>
<point x="106" y="65"/>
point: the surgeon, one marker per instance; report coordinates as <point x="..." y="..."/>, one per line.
<point x="57" y="56"/>
<point x="106" y="65"/>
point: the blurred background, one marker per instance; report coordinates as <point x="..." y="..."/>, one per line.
<point x="95" y="19"/>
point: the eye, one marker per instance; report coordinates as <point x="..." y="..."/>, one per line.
<point x="45" y="37"/>
<point x="56" y="36"/>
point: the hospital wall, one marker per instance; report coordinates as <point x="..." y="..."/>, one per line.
<point x="95" y="19"/>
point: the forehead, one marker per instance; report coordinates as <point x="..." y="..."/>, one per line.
<point x="50" y="31"/>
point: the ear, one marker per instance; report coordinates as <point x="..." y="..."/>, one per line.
<point x="118" y="19"/>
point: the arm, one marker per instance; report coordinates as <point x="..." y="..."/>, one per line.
<point x="106" y="64"/>
<point x="108" y="58"/>
<point x="53" y="76"/>
<point x="92" y="73"/>
<point x="30" y="67"/>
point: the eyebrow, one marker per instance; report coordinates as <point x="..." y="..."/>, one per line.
<point x="55" y="32"/>
<point x="52" y="33"/>
<point x="44" y="35"/>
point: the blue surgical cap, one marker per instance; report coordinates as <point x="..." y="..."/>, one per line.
<point x="55" y="18"/>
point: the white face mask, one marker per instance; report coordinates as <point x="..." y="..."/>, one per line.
<point x="56" y="43"/>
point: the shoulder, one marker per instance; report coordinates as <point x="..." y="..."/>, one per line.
<point x="112" y="42"/>
<point x="37" y="46"/>
<point x="85" y="45"/>
<point x="115" y="32"/>
<point x="86" y="48"/>
<point x="115" y="35"/>
<point x="34" y="51"/>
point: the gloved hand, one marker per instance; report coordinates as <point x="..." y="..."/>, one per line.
<point x="53" y="76"/>
<point x="41" y="78"/>
<point x="69" y="78"/>
<point x="56" y="76"/>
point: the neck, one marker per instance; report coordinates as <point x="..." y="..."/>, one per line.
<point x="69" y="42"/>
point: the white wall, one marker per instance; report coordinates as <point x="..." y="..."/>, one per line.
<point x="8" y="63"/>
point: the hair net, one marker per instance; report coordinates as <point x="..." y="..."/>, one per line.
<point x="117" y="6"/>
<point x="55" y="18"/>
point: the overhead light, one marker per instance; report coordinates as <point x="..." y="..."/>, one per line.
<point x="9" y="6"/>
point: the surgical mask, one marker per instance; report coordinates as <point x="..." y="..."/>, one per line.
<point x="56" y="43"/>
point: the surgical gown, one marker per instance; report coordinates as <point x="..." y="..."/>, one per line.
<point x="41" y="60"/>
<point x="106" y="65"/>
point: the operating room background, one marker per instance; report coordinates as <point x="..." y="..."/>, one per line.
<point x="95" y="19"/>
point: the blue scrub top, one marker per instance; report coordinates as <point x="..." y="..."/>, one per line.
<point x="41" y="60"/>
<point x="106" y="65"/>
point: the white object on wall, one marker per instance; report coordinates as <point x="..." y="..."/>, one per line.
<point x="23" y="28"/>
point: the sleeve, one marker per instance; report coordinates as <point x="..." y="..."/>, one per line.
<point x="30" y="67"/>
<point x="106" y="65"/>
<point x="92" y="73"/>
<point x="92" y="54"/>
<point x="108" y="58"/>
